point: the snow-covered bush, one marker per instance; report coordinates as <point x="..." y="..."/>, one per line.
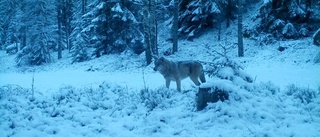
<point x="277" y="24"/>
<point x="8" y="90"/>
<point x="266" y="40"/>
<point x="33" y="55"/>
<point x="224" y="67"/>
<point x="305" y="95"/>
<point x="227" y="68"/>
<point x="227" y="75"/>
<point x="66" y="95"/>
<point x="289" y="31"/>
<point x="303" y="32"/>
<point x="268" y="86"/>
<point x="105" y="97"/>
<point x="153" y="98"/>
<point x="79" y="53"/>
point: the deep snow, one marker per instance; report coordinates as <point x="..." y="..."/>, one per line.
<point x="103" y="98"/>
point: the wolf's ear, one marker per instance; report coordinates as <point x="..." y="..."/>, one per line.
<point x="162" y="59"/>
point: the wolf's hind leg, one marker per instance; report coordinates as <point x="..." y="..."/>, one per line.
<point x="202" y="78"/>
<point x="167" y="83"/>
<point x="195" y="80"/>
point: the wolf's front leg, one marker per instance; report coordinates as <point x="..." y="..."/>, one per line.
<point x="167" y="83"/>
<point x="178" y="81"/>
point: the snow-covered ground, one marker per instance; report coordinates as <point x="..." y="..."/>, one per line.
<point x="103" y="97"/>
<point x="117" y="95"/>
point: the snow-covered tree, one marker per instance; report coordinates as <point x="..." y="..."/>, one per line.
<point x="78" y="37"/>
<point x="112" y="27"/>
<point x="289" y="18"/>
<point x="150" y="29"/>
<point x="196" y="15"/>
<point x="225" y="67"/>
<point x="65" y="12"/>
<point x="12" y="28"/>
<point x="40" y="31"/>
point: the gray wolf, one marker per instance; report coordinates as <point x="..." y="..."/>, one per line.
<point x="176" y="71"/>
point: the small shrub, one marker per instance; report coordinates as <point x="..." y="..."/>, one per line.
<point x="153" y="98"/>
<point x="289" y="31"/>
<point x="33" y="55"/>
<point x="266" y="39"/>
<point x="66" y="94"/>
<point x="10" y="89"/>
<point x="227" y="68"/>
<point x="269" y="86"/>
<point x="305" y="95"/>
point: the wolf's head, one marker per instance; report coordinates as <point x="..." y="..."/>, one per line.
<point x="159" y="64"/>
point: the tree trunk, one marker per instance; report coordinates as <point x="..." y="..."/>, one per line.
<point x="175" y="27"/>
<point x="153" y="31"/>
<point x="68" y="12"/>
<point x="240" y="37"/>
<point x="67" y="36"/>
<point x="228" y="14"/>
<point x="24" y="37"/>
<point x="219" y="29"/>
<point x="59" y="30"/>
<point x="146" y="25"/>
<point x="316" y="38"/>
<point x="156" y="41"/>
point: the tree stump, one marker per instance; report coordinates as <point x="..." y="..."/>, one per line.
<point x="317" y="58"/>
<point x="316" y="38"/>
<point x="212" y="95"/>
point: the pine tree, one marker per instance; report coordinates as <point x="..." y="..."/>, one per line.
<point x="289" y="19"/>
<point x="197" y="15"/>
<point x="112" y="27"/>
<point x="39" y="33"/>
<point x="79" y="37"/>
<point x="12" y="22"/>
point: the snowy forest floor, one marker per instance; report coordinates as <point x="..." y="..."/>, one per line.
<point x="105" y="96"/>
<point x="118" y="95"/>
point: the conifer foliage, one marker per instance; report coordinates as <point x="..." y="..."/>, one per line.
<point x="39" y="27"/>
<point x="289" y="19"/>
<point x="112" y="27"/>
<point x="196" y="15"/>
